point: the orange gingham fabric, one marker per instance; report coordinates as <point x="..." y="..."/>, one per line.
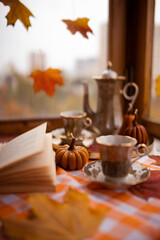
<point x="127" y="217"/>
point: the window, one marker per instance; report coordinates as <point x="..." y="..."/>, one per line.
<point x="132" y="23"/>
<point x="131" y="44"/>
<point x="46" y="44"/>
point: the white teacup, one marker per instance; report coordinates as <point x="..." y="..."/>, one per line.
<point x="116" y="153"/>
<point x="74" y="122"/>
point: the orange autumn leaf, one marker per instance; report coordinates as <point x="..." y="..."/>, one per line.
<point x="149" y="188"/>
<point x="156" y="158"/>
<point x="74" y="219"/>
<point x="46" y="80"/>
<point x="17" y="11"/>
<point x="79" y="25"/>
<point x="158" y="85"/>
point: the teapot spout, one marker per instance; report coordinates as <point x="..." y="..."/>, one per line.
<point x="86" y="107"/>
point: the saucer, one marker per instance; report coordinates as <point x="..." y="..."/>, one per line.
<point x="137" y="174"/>
<point x="87" y="137"/>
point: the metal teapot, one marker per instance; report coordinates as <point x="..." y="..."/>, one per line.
<point x="109" y="103"/>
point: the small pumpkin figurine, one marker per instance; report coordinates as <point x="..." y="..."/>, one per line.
<point x="137" y="131"/>
<point x="72" y="157"/>
<point x="127" y="122"/>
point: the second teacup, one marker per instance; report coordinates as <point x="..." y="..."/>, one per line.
<point x="116" y="153"/>
<point x="74" y="122"/>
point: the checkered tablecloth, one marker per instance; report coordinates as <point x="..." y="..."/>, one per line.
<point x="127" y="217"/>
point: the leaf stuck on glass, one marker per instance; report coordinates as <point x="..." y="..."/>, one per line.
<point x="46" y="80"/>
<point x="17" y="12"/>
<point x="78" y="25"/>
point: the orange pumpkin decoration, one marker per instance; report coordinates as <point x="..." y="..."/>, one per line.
<point x="127" y="122"/>
<point x="137" y="131"/>
<point x="72" y="157"/>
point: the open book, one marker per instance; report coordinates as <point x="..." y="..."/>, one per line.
<point x="27" y="163"/>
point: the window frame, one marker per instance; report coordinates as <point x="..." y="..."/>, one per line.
<point x="131" y="22"/>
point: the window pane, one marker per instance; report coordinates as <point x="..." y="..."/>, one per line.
<point x="47" y="44"/>
<point x="155" y="91"/>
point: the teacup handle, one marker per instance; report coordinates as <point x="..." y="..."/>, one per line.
<point x="141" y="145"/>
<point x="87" y="122"/>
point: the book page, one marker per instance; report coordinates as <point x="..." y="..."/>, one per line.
<point x="26" y="145"/>
<point x="39" y="161"/>
<point x="37" y="173"/>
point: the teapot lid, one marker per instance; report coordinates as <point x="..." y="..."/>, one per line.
<point x="109" y="73"/>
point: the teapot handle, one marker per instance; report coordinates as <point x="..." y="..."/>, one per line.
<point x="131" y="98"/>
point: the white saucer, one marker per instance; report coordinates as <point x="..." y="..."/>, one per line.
<point x="137" y="174"/>
<point x="87" y="137"/>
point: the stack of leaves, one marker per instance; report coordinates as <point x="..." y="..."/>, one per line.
<point x="72" y="220"/>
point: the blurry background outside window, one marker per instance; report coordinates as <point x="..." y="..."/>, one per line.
<point x="155" y="99"/>
<point x="48" y="43"/>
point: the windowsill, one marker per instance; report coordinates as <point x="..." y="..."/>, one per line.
<point x="152" y="125"/>
<point x="18" y="126"/>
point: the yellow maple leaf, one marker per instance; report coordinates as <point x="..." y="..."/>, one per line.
<point x="73" y="219"/>
<point x="78" y="25"/>
<point x="158" y="85"/>
<point x="17" y="11"/>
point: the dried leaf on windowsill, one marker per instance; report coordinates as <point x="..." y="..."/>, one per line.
<point x="46" y="80"/>
<point x="17" y="11"/>
<point x="78" y="25"/>
<point x="73" y="219"/>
